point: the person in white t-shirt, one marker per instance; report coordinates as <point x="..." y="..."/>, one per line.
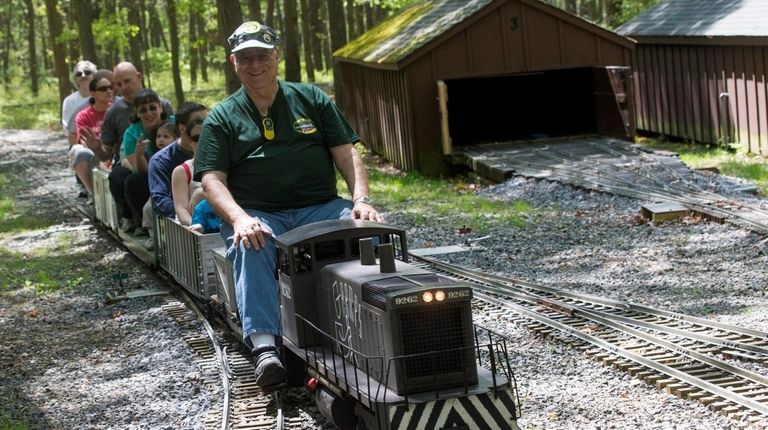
<point x="82" y="75"/>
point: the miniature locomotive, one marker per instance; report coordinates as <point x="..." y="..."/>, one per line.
<point x="384" y="344"/>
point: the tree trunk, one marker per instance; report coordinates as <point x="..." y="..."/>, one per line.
<point x="7" y="44"/>
<point x="352" y="31"/>
<point x="173" y="30"/>
<point x="230" y="17"/>
<point x="59" y="51"/>
<point x="370" y="16"/>
<point x="72" y="47"/>
<point x="291" y="33"/>
<point x="359" y="21"/>
<point x="203" y="48"/>
<point x="193" y="47"/>
<point x="338" y="39"/>
<point x="317" y="32"/>
<point x="44" y="43"/>
<point x="32" y="46"/>
<point x="85" y="18"/>
<point x="307" y="41"/>
<point x="270" y="18"/>
<point x="157" y="30"/>
<point x="134" y="40"/>
<point x="254" y="10"/>
<point x="326" y="39"/>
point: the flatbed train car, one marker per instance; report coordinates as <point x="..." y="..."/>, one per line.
<point x="383" y="344"/>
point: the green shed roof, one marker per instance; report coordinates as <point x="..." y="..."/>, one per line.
<point x="402" y="34"/>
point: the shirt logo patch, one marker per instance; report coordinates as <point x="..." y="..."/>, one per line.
<point x="304" y="126"/>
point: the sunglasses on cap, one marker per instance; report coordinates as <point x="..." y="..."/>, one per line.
<point x="104" y="88"/>
<point x="80" y="73"/>
<point x="144" y="109"/>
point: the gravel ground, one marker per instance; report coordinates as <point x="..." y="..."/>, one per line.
<point x="68" y="360"/>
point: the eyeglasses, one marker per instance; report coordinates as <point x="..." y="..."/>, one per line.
<point x="261" y="57"/>
<point x="104" y="88"/>
<point x="142" y="110"/>
<point x="80" y="73"/>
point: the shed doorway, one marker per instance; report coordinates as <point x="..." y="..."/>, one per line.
<point x="521" y="107"/>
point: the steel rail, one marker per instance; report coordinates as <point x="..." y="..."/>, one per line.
<point x="504" y="285"/>
<point x="579" y="177"/>
<point x="220" y="357"/>
<point x="637" y="358"/>
<point x="623" y="328"/>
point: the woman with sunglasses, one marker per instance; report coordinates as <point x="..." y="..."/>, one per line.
<point x="137" y="147"/>
<point x="82" y="75"/>
<point x="81" y="158"/>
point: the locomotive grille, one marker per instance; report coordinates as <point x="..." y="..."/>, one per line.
<point x="438" y="328"/>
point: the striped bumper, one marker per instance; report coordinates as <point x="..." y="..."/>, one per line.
<point x="493" y="411"/>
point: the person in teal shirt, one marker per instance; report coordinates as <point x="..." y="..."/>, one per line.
<point x="138" y="145"/>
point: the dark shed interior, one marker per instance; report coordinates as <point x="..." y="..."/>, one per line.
<point x="553" y="103"/>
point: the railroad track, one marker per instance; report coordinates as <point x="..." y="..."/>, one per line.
<point x="625" y="169"/>
<point x="718" y="365"/>
<point x="227" y="369"/>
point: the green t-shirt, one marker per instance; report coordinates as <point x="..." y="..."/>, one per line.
<point x="295" y="168"/>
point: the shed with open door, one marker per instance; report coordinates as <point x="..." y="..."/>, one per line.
<point x="447" y="73"/>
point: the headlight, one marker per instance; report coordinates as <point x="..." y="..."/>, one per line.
<point x="427" y="297"/>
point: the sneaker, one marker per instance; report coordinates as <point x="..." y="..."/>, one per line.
<point x="141" y="231"/>
<point x="82" y="193"/>
<point x="127" y="225"/>
<point x="89" y="200"/>
<point x="148" y="244"/>
<point x="269" y="369"/>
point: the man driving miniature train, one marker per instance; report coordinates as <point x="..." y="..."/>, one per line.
<point x="266" y="160"/>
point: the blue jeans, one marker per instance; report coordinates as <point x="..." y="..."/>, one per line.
<point x="258" y="297"/>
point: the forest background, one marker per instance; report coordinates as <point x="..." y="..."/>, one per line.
<point x="180" y="45"/>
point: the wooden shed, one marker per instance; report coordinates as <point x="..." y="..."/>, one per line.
<point x="446" y="73"/>
<point x="701" y="70"/>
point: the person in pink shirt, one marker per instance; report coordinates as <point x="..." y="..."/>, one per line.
<point x="81" y="157"/>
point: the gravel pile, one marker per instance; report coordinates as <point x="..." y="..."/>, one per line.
<point x="71" y="361"/>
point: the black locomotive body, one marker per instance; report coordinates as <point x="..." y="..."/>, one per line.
<point x="395" y="339"/>
<point x="385" y="344"/>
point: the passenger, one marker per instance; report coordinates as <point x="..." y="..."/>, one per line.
<point x="138" y="145"/>
<point x="166" y="135"/>
<point x="82" y="75"/>
<point x="186" y="192"/>
<point x="161" y="164"/>
<point x="127" y="83"/>
<point x="81" y="157"/>
<point x="204" y="219"/>
<point x="266" y="161"/>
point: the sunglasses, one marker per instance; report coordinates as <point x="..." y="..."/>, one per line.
<point x="195" y="138"/>
<point x="104" y="88"/>
<point x="149" y="108"/>
<point x="80" y="73"/>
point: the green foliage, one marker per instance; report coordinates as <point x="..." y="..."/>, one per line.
<point x="45" y="269"/>
<point x="11" y="218"/>
<point x="451" y="202"/>
<point x="728" y="162"/>
<point x="7" y="422"/>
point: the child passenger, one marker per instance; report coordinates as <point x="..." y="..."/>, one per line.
<point x="166" y="134"/>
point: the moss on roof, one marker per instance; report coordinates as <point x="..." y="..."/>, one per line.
<point x="402" y="34"/>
